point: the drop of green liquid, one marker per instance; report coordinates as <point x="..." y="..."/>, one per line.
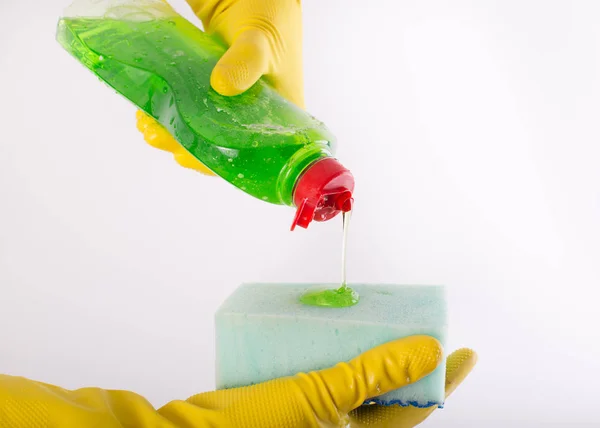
<point x="342" y="297"/>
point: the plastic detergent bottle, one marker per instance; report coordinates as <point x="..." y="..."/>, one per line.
<point x="257" y="141"/>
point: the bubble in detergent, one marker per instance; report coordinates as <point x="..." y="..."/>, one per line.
<point x="255" y="144"/>
<point x="240" y="175"/>
<point x="229" y="160"/>
<point x="101" y="57"/>
<point x="219" y="109"/>
<point x="165" y="89"/>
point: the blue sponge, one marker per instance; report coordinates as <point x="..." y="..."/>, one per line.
<point x="264" y="332"/>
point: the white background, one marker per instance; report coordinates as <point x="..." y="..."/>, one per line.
<point x="472" y="130"/>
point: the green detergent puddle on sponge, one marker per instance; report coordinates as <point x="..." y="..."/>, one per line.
<point x="340" y="298"/>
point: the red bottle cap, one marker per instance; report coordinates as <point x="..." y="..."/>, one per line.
<point x="323" y="191"/>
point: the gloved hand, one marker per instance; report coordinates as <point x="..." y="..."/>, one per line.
<point x="326" y="398"/>
<point x="265" y="38"/>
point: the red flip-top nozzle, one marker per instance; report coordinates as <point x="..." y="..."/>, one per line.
<point x="323" y="191"/>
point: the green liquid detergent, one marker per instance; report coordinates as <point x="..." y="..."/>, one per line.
<point x="336" y="298"/>
<point x="258" y="141"/>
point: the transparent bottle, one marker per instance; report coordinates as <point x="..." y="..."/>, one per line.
<point x="257" y="141"/>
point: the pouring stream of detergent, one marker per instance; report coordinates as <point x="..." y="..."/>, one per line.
<point x="335" y="298"/>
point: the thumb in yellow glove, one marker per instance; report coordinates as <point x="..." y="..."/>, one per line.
<point x="327" y="398"/>
<point x="265" y="38"/>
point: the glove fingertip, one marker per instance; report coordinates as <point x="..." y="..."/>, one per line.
<point x="242" y="65"/>
<point x="229" y="81"/>
<point x="458" y="365"/>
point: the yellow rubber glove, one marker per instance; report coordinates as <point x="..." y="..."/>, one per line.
<point x="265" y="38"/>
<point x="318" y="399"/>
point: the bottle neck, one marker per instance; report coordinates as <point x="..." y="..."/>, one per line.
<point x="293" y="169"/>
